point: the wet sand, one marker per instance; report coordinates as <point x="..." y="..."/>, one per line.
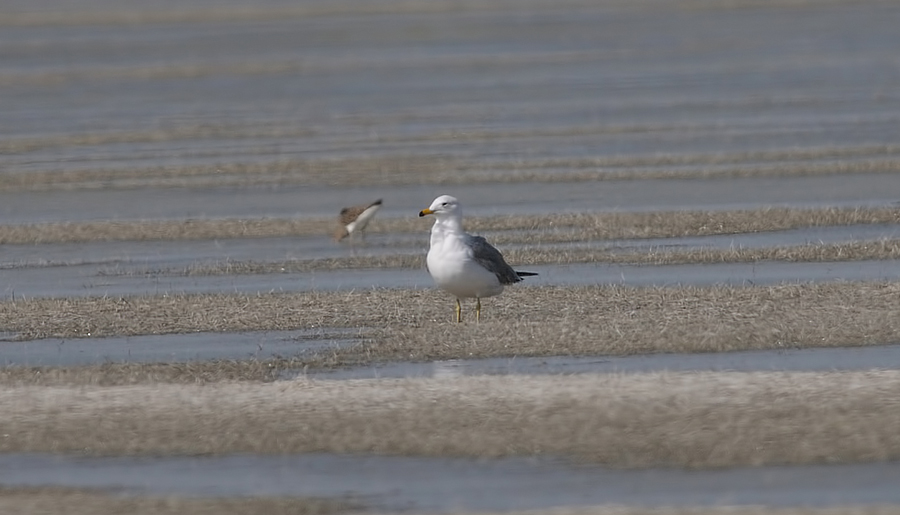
<point x="682" y="423"/>
<point x="212" y="109"/>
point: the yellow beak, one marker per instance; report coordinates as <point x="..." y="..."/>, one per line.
<point x="425" y="211"/>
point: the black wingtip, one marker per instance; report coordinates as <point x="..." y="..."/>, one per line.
<point x="525" y="274"/>
<point x="377" y="202"/>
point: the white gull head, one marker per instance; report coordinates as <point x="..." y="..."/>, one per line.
<point x="444" y="207"/>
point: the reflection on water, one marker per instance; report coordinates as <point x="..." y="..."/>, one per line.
<point x="207" y="86"/>
<point x="154" y="267"/>
<point x="171" y="348"/>
<point x="542" y="80"/>
<point x="174" y="257"/>
<point x="216" y="108"/>
<point x="792" y="360"/>
<point x="443" y="485"/>
<point x="78" y="281"/>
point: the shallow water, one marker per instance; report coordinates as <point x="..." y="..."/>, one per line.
<point x="858" y="190"/>
<point x="444" y="485"/>
<point x="178" y="348"/>
<point x="665" y="78"/>
<point x="268" y="82"/>
<point x="236" y="82"/>
<point x="79" y="281"/>
<point x="95" y="90"/>
<point x="172" y="257"/>
<point x="170" y="348"/>
<point x="881" y="357"/>
<point x="147" y="268"/>
<point x="789" y="238"/>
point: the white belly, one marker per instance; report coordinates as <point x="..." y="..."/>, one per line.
<point x="363" y="219"/>
<point x="458" y="274"/>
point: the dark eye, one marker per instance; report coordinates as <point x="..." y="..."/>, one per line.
<point x="444" y="204"/>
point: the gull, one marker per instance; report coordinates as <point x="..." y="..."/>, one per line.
<point x="355" y="219"/>
<point x="466" y="266"/>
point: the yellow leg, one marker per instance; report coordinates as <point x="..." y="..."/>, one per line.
<point x="458" y="312"/>
<point x="477" y="309"/>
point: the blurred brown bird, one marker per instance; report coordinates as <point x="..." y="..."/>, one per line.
<point x="355" y="219"/>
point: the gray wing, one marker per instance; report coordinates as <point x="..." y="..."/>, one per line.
<point x="491" y="259"/>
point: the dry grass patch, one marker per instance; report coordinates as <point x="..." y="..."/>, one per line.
<point x="554" y="228"/>
<point x="389" y="170"/>
<point x="814" y="154"/>
<point x="788" y="169"/>
<point x="158" y="135"/>
<point x="618" y="320"/>
<point x="716" y="510"/>
<point x="663" y="224"/>
<point x="369" y="174"/>
<point x="853" y="251"/>
<point x="198" y="372"/>
<point x="392" y="170"/>
<point x="418" y="325"/>
<point x="168" y="230"/>
<point x="410" y="261"/>
<point x="692" y="420"/>
<point x="71" y="501"/>
<point x="149" y="15"/>
<point x="172" y="314"/>
<point x="53" y="500"/>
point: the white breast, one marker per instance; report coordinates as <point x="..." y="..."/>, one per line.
<point x="363" y="219"/>
<point x="453" y="269"/>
